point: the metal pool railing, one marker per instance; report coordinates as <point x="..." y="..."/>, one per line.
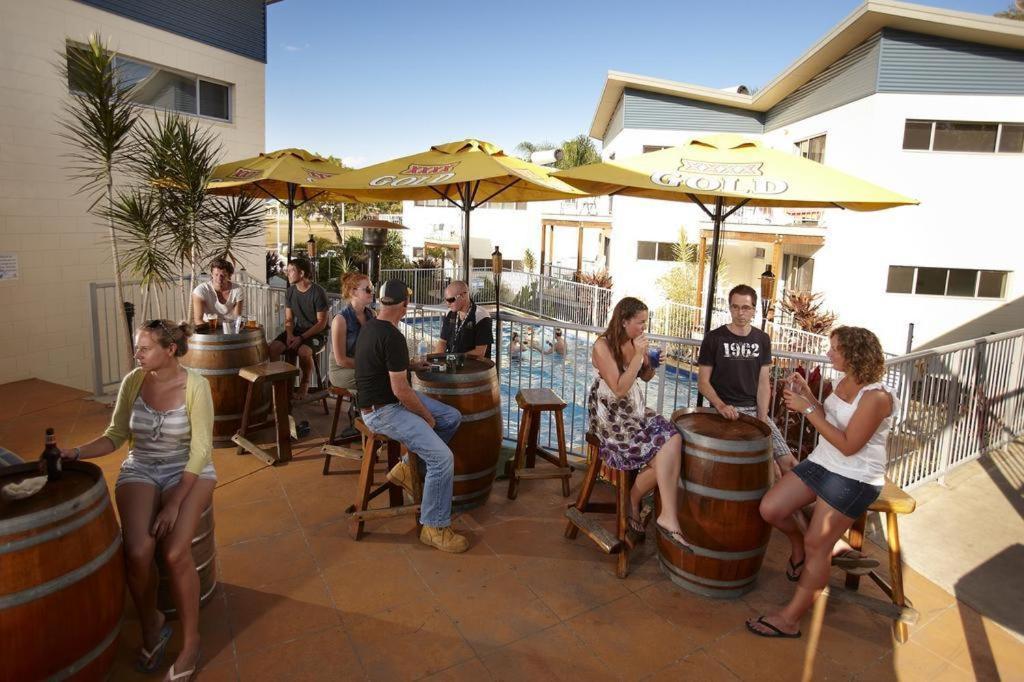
<point x="957" y="402"/>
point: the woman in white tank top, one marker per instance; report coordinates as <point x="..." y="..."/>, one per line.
<point x="841" y="477"/>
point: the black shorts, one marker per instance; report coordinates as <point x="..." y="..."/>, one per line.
<point x="315" y="343"/>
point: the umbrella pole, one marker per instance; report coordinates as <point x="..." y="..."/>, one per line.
<point x="467" y="206"/>
<point x="709" y="309"/>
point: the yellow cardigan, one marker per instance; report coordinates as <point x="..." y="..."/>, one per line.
<point x="198" y="407"/>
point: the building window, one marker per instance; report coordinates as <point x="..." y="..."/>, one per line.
<point x="654" y="148"/>
<point x="665" y="251"/>
<point x="964" y="136"/>
<point x="506" y="264"/>
<point x="162" y="88"/>
<point x="965" y="282"/>
<point x="812" y="148"/>
<point x="504" y="205"/>
<point x="441" y="203"/>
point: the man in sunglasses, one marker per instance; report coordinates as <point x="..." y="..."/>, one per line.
<point x="390" y="406"/>
<point x="467" y="327"/>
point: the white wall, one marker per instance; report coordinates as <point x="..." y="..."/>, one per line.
<point x="968" y="217"/>
<point x="45" y="323"/>
<point x="513" y="231"/>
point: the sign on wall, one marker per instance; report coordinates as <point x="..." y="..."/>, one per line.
<point x="8" y="266"/>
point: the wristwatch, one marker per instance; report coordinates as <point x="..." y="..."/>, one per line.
<point x="809" y="409"/>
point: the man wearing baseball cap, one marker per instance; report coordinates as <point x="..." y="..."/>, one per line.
<point x="388" y="405"/>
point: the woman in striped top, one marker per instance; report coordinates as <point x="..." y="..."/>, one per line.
<point x="165" y="413"/>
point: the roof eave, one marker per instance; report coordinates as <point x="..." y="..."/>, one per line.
<point x="861" y="24"/>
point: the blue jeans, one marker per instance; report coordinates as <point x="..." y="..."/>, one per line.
<point x="430" y="446"/>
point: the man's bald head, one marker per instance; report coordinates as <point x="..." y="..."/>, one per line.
<point x="456" y="295"/>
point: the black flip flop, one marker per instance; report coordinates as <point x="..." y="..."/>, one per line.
<point x="791" y="572"/>
<point x="675" y="537"/>
<point x="857" y="565"/>
<point x="775" y="632"/>
<point x="636" y="527"/>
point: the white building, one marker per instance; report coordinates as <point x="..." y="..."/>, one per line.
<point x="203" y="58"/>
<point x="923" y="101"/>
<point x="561" y="233"/>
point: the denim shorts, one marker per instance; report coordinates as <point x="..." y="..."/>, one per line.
<point x="845" y="495"/>
<point x="164" y="474"/>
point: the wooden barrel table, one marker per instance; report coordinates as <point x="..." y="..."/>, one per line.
<point x="62" y="579"/>
<point x="726" y="471"/>
<point x="218" y="357"/>
<point x="473" y="390"/>
<point x="204" y="553"/>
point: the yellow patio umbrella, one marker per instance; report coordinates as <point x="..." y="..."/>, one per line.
<point x="281" y="175"/>
<point x="730" y="172"/>
<point x="466" y="174"/>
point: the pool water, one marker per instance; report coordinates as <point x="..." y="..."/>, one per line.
<point x="570" y="377"/>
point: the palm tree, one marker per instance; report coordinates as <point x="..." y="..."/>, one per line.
<point x="178" y="157"/>
<point x="578" y="151"/>
<point x="527" y="148"/>
<point x="98" y="122"/>
<point x="236" y="223"/>
<point x="138" y="218"/>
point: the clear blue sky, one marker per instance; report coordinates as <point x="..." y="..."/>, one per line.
<point x="369" y="81"/>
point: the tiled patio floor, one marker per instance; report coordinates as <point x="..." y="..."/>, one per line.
<point x="299" y="600"/>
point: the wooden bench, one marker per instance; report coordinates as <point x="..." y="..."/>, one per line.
<point x="533" y="402"/>
<point x="891" y="502"/>
<point x="579" y="514"/>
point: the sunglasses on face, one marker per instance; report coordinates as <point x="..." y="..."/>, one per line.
<point x="368" y="290"/>
<point x="452" y="299"/>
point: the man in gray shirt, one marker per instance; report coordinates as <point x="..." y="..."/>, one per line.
<point x="305" y="320"/>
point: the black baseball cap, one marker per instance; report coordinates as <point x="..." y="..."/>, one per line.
<point x="394" y="291"/>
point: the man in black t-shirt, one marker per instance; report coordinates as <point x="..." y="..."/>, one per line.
<point x="305" y="320"/>
<point x="735" y="364"/>
<point x="467" y="327"/>
<point x="734" y="376"/>
<point x="388" y="405"/>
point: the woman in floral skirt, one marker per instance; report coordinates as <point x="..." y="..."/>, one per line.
<point x="634" y="438"/>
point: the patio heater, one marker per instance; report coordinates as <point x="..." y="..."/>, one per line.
<point x="496" y="271"/>
<point x="311" y="254"/>
<point x="375" y="236"/>
<point x="767" y="294"/>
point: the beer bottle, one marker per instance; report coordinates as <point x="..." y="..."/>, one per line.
<point x="51" y="457"/>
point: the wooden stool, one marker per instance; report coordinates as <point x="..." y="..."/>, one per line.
<point x="534" y="401"/>
<point x="281" y="375"/>
<point x="319" y="395"/>
<point x="892" y="502"/>
<point x="330" y="447"/>
<point x="359" y="512"/>
<point x="577" y="513"/>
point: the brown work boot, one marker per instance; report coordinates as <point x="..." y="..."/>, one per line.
<point x="444" y="539"/>
<point x="403" y="475"/>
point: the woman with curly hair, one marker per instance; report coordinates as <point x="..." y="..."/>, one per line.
<point x="841" y="477"/>
<point x="633" y="437"/>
